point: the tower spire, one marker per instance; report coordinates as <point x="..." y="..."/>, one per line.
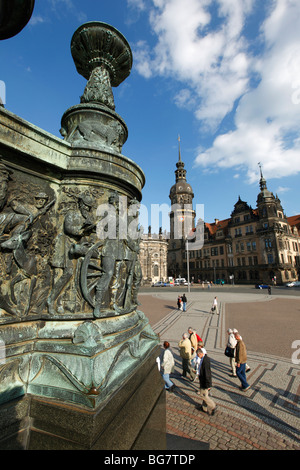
<point x="180" y="172"/>
<point x="179" y="149"/>
<point x="262" y="182"/>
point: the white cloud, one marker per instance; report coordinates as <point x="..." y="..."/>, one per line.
<point x="138" y="4"/>
<point x="210" y="59"/>
<point x="203" y="45"/>
<point x="63" y="7"/>
<point x="185" y="99"/>
<point x="267" y="119"/>
<point x="282" y="189"/>
<point x="36" y="19"/>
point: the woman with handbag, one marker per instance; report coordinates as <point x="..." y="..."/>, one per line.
<point x="214" y="307"/>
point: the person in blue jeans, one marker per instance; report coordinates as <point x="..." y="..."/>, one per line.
<point x="184" y="301"/>
<point x="241" y="359"/>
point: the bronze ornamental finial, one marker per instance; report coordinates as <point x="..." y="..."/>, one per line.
<point x="103" y="56"/>
<point x="14" y="16"/>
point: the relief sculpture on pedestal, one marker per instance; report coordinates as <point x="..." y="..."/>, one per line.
<point x="69" y="242"/>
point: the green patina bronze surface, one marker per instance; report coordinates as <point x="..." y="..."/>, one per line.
<point x="70" y="327"/>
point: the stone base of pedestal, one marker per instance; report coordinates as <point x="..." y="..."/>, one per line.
<point x="133" y="418"/>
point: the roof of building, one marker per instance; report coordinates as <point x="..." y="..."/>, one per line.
<point x="217" y="225"/>
<point x="294" y="221"/>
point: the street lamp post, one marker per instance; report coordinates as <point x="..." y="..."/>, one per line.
<point x="188" y="264"/>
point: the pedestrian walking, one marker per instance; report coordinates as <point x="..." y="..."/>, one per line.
<point x="247" y="366"/>
<point x="208" y="405"/>
<point x="184" y="302"/>
<point x="269" y="290"/>
<point x="241" y="360"/>
<point x="179" y="303"/>
<point x="201" y="345"/>
<point x="194" y="373"/>
<point x="193" y="339"/>
<point x="185" y="347"/>
<point x="214" y="307"/>
<point x="231" y="343"/>
<point x="167" y="364"/>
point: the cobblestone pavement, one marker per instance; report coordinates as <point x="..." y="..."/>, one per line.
<point x="266" y="417"/>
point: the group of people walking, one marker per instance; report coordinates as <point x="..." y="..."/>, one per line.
<point x="196" y="364"/>
<point x="182" y="302"/>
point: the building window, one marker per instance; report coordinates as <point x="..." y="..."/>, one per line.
<point x="254" y="246"/>
<point x="155" y="270"/>
<point x="270" y="259"/>
<point x="268" y="243"/>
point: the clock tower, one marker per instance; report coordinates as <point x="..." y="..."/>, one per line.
<point x="182" y="218"/>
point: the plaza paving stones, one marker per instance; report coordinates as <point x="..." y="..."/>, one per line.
<point x="266" y="417"/>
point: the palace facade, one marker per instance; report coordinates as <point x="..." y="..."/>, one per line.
<point x="251" y="246"/>
<point x="153" y="257"/>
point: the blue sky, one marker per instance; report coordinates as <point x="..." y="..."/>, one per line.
<point x="224" y="74"/>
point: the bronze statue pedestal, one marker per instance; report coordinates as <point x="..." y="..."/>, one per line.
<point x="77" y="357"/>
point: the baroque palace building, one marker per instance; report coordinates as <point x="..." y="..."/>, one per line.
<point x="251" y="246"/>
<point x="153" y="257"/>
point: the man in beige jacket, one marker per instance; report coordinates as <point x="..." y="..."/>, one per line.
<point x="185" y="347"/>
<point x="194" y="340"/>
<point x="241" y="359"/>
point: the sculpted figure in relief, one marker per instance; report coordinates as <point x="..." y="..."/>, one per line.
<point x="69" y="244"/>
<point x="18" y="228"/>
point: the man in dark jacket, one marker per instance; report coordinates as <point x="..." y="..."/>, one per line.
<point x="208" y="405"/>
